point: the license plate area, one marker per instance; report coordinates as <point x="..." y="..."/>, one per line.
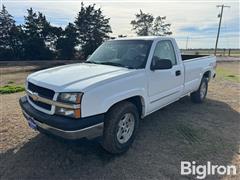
<point x="32" y="124"/>
<point x="31" y="121"/>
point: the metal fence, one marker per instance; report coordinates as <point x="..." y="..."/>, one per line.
<point x="220" y="52"/>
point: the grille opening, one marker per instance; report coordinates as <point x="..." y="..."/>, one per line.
<point x="43" y="92"/>
<point x="41" y="104"/>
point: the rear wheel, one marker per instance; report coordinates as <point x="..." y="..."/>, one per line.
<point x="200" y="95"/>
<point x="120" y="127"/>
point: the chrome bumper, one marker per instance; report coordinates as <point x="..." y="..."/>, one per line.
<point x="88" y="132"/>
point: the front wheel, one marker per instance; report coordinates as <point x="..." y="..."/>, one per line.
<point x="120" y="127"/>
<point x="200" y="95"/>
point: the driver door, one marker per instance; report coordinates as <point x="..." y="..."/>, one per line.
<point x="165" y="85"/>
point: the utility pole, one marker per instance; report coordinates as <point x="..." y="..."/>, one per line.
<point x="187" y="42"/>
<point x="219" y="25"/>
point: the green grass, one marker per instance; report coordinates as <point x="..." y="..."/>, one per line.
<point x="8" y="89"/>
<point x="227" y="75"/>
<point x="10" y="82"/>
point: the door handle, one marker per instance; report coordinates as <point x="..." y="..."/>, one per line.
<point x="178" y="73"/>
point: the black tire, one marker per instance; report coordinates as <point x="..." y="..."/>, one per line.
<point x="196" y="96"/>
<point x="111" y="125"/>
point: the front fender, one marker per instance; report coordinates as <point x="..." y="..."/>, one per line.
<point x="112" y="100"/>
<point x="98" y="99"/>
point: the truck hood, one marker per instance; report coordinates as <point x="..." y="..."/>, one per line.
<point x="76" y="77"/>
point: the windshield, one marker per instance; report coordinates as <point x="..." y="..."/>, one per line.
<point x="124" y="53"/>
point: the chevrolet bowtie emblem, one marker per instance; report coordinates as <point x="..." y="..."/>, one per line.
<point x="35" y="96"/>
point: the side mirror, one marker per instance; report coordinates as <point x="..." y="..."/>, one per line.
<point x="158" y="64"/>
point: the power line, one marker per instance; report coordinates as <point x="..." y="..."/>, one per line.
<point x="219" y="25"/>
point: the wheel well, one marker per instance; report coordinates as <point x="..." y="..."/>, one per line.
<point x="207" y="75"/>
<point x="137" y="101"/>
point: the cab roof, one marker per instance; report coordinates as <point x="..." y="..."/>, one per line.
<point x="144" y="38"/>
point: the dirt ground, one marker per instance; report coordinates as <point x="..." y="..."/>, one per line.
<point x="182" y="131"/>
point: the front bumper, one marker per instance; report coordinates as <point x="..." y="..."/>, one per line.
<point x="67" y="128"/>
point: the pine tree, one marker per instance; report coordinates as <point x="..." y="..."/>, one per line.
<point x="92" y="28"/>
<point x="47" y="32"/>
<point x="66" y="44"/>
<point x="10" y="37"/>
<point x="6" y="24"/>
<point x="39" y="36"/>
<point x="16" y="42"/>
<point x="33" y="43"/>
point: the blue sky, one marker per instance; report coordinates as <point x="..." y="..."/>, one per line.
<point x="194" y="19"/>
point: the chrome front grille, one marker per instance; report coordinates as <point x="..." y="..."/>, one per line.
<point x="41" y="104"/>
<point x="42" y="92"/>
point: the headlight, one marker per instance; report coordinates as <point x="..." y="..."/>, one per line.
<point x="74" y="113"/>
<point x="69" y="98"/>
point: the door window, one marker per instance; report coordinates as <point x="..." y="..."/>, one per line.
<point x="165" y="50"/>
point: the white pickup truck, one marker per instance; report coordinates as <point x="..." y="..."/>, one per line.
<point x="123" y="81"/>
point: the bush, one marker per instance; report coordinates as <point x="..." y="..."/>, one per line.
<point x="8" y="89"/>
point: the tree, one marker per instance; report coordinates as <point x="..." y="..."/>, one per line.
<point x="145" y="25"/>
<point x="39" y="36"/>
<point x="6" y="25"/>
<point x="92" y="28"/>
<point x="66" y="44"/>
<point x="34" y="45"/>
<point x="10" y="37"/>
<point x="16" y="42"/>
<point x="160" y="27"/>
<point x="47" y="32"/>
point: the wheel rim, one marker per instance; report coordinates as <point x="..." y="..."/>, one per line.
<point x="203" y="90"/>
<point x="125" y="128"/>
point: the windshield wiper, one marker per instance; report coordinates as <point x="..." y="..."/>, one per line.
<point x="110" y="63"/>
<point x="91" y="62"/>
<point x="116" y="64"/>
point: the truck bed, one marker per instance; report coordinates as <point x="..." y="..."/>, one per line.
<point x="188" y="57"/>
